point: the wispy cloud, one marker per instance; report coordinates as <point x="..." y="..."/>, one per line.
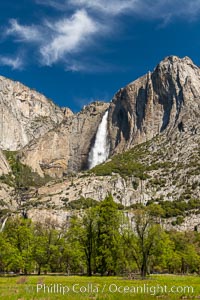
<point x="54" y="41"/>
<point x="78" y="25"/>
<point x="90" y="66"/>
<point x="23" y="33"/>
<point x="69" y="35"/>
<point x="157" y="9"/>
<point x="167" y="9"/>
<point x="15" y="63"/>
<point x="52" y="3"/>
<point x="113" y="7"/>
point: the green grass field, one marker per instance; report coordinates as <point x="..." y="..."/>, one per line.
<point x="96" y="288"/>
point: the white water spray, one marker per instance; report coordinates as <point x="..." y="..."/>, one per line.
<point x="3" y="224"/>
<point x="100" y="151"/>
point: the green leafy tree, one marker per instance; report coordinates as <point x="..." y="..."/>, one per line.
<point x="88" y="238"/>
<point x="46" y="245"/>
<point x="74" y="252"/>
<point x="108" y="251"/>
<point x="186" y="248"/>
<point x="10" y="258"/>
<point x="19" y="233"/>
<point x="164" y="257"/>
<point x="144" y="238"/>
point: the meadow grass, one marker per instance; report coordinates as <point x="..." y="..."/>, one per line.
<point x="98" y="288"/>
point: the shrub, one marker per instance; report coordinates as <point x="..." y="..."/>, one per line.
<point x="22" y="176"/>
<point x="82" y="203"/>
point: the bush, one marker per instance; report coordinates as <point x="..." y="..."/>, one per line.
<point x="22" y="176"/>
<point x="81" y="203"/>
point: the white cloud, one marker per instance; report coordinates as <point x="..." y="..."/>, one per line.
<point x="54" y="41"/>
<point x="69" y="36"/>
<point x="23" y="33"/>
<point x="51" y="3"/>
<point x="113" y="7"/>
<point x="14" y="63"/>
<point x="167" y="9"/>
<point x="61" y="40"/>
<point x="157" y="9"/>
<point x="90" y="66"/>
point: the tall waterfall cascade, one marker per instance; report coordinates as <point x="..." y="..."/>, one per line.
<point x="101" y="148"/>
<point x="3" y="224"/>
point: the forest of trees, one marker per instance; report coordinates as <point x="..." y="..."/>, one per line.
<point x="100" y="241"/>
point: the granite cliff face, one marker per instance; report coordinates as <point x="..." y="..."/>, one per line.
<point x="165" y="100"/>
<point x="24" y="114"/>
<point x="65" y="149"/>
<point x="56" y="142"/>
<point x="169" y="171"/>
<point x="156" y="117"/>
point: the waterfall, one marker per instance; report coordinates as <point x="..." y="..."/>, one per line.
<point x="100" y="150"/>
<point x="3" y="224"/>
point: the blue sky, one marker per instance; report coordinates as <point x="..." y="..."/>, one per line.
<point x="78" y="51"/>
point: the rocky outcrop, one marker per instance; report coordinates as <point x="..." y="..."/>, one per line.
<point x="165" y="100"/>
<point x="4" y="166"/>
<point x="8" y="200"/>
<point x="65" y="149"/>
<point x="24" y="114"/>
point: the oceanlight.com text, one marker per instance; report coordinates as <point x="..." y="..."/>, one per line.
<point x="113" y="288"/>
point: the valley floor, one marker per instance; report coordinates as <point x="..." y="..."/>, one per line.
<point x="97" y="288"/>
